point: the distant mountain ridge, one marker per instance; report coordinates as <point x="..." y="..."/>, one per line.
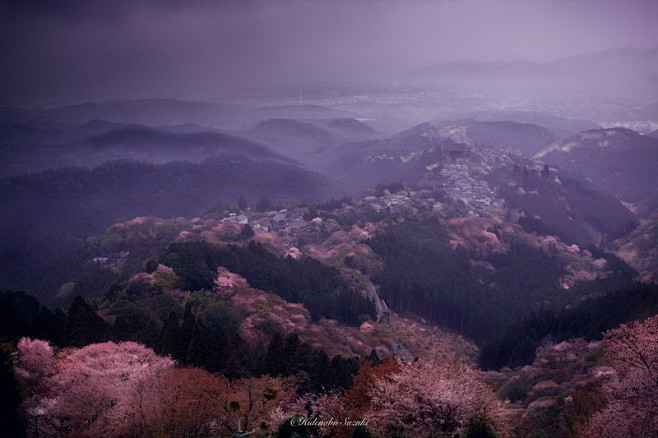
<point x="304" y="139"/>
<point x="629" y="72"/>
<point x="134" y="111"/>
<point x="204" y="142"/>
<point x="33" y="148"/>
<point x="562" y="127"/>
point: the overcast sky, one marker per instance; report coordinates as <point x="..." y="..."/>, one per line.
<point x="74" y="50"/>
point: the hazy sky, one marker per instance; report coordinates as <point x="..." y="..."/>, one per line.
<point x="73" y="50"/>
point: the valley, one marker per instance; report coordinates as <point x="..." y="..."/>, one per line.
<point x="302" y="219"/>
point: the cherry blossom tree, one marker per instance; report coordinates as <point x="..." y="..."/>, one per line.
<point x="35" y="363"/>
<point x="421" y="399"/>
<point x="632" y="410"/>
<point x="430" y="398"/>
<point x="99" y="390"/>
<point x="312" y="407"/>
<point x="226" y="282"/>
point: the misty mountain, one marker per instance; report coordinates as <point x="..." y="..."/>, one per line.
<point x="405" y="155"/>
<point x="348" y="127"/>
<point x="628" y="72"/>
<point x="473" y="70"/>
<point x="562" y="127"/>
<point x="32" y="148"/>
<point x="191" y="146"/>
<point x="46" y="133"/>
<point x="152" y="112"/>
<point x="447" y="157"/>
<point x="402" y="157"/>
<point x="619" y="160"/>
<point x="305" y="139"/>
<point x="653" y="134"/>
<point x="64" y="206"/>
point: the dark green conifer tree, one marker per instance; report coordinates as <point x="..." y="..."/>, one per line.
<point x="170" y="337"/>
<point x="83" y="326"/>
<point x="206" y="348"/>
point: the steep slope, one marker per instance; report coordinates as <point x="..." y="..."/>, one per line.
<point x="640" y="249"/>
<point x="401" y="157"/>
<point x="568" y="205"/>
<point x="619" y="160"/>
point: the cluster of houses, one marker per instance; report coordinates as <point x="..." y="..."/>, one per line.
<point x="403" y="199"/>
<point x="476" y="193"/>
<point x="285" y="222"/>
<point x="388" y="202"/>
<point x="453" y="177"/>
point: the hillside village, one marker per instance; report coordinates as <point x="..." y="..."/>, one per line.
<point x="455" y="193"/>
<point x="451" y="191"/>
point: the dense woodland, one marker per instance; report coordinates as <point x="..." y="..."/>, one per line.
<point x="65" y="206"/>
<point x="308" y="281"/>
<point x="201" y="334"/>
<point x="589" y="319"/>
<point x="425" y="276"/>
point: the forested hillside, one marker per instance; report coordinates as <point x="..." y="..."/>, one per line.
<point x="63" y="207"/>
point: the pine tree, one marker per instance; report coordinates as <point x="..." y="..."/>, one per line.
<point x="274" y="362"/>
<point x="170" y="337"/>
<point x="206" y="348"/>
<point x="186" y="332"/>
